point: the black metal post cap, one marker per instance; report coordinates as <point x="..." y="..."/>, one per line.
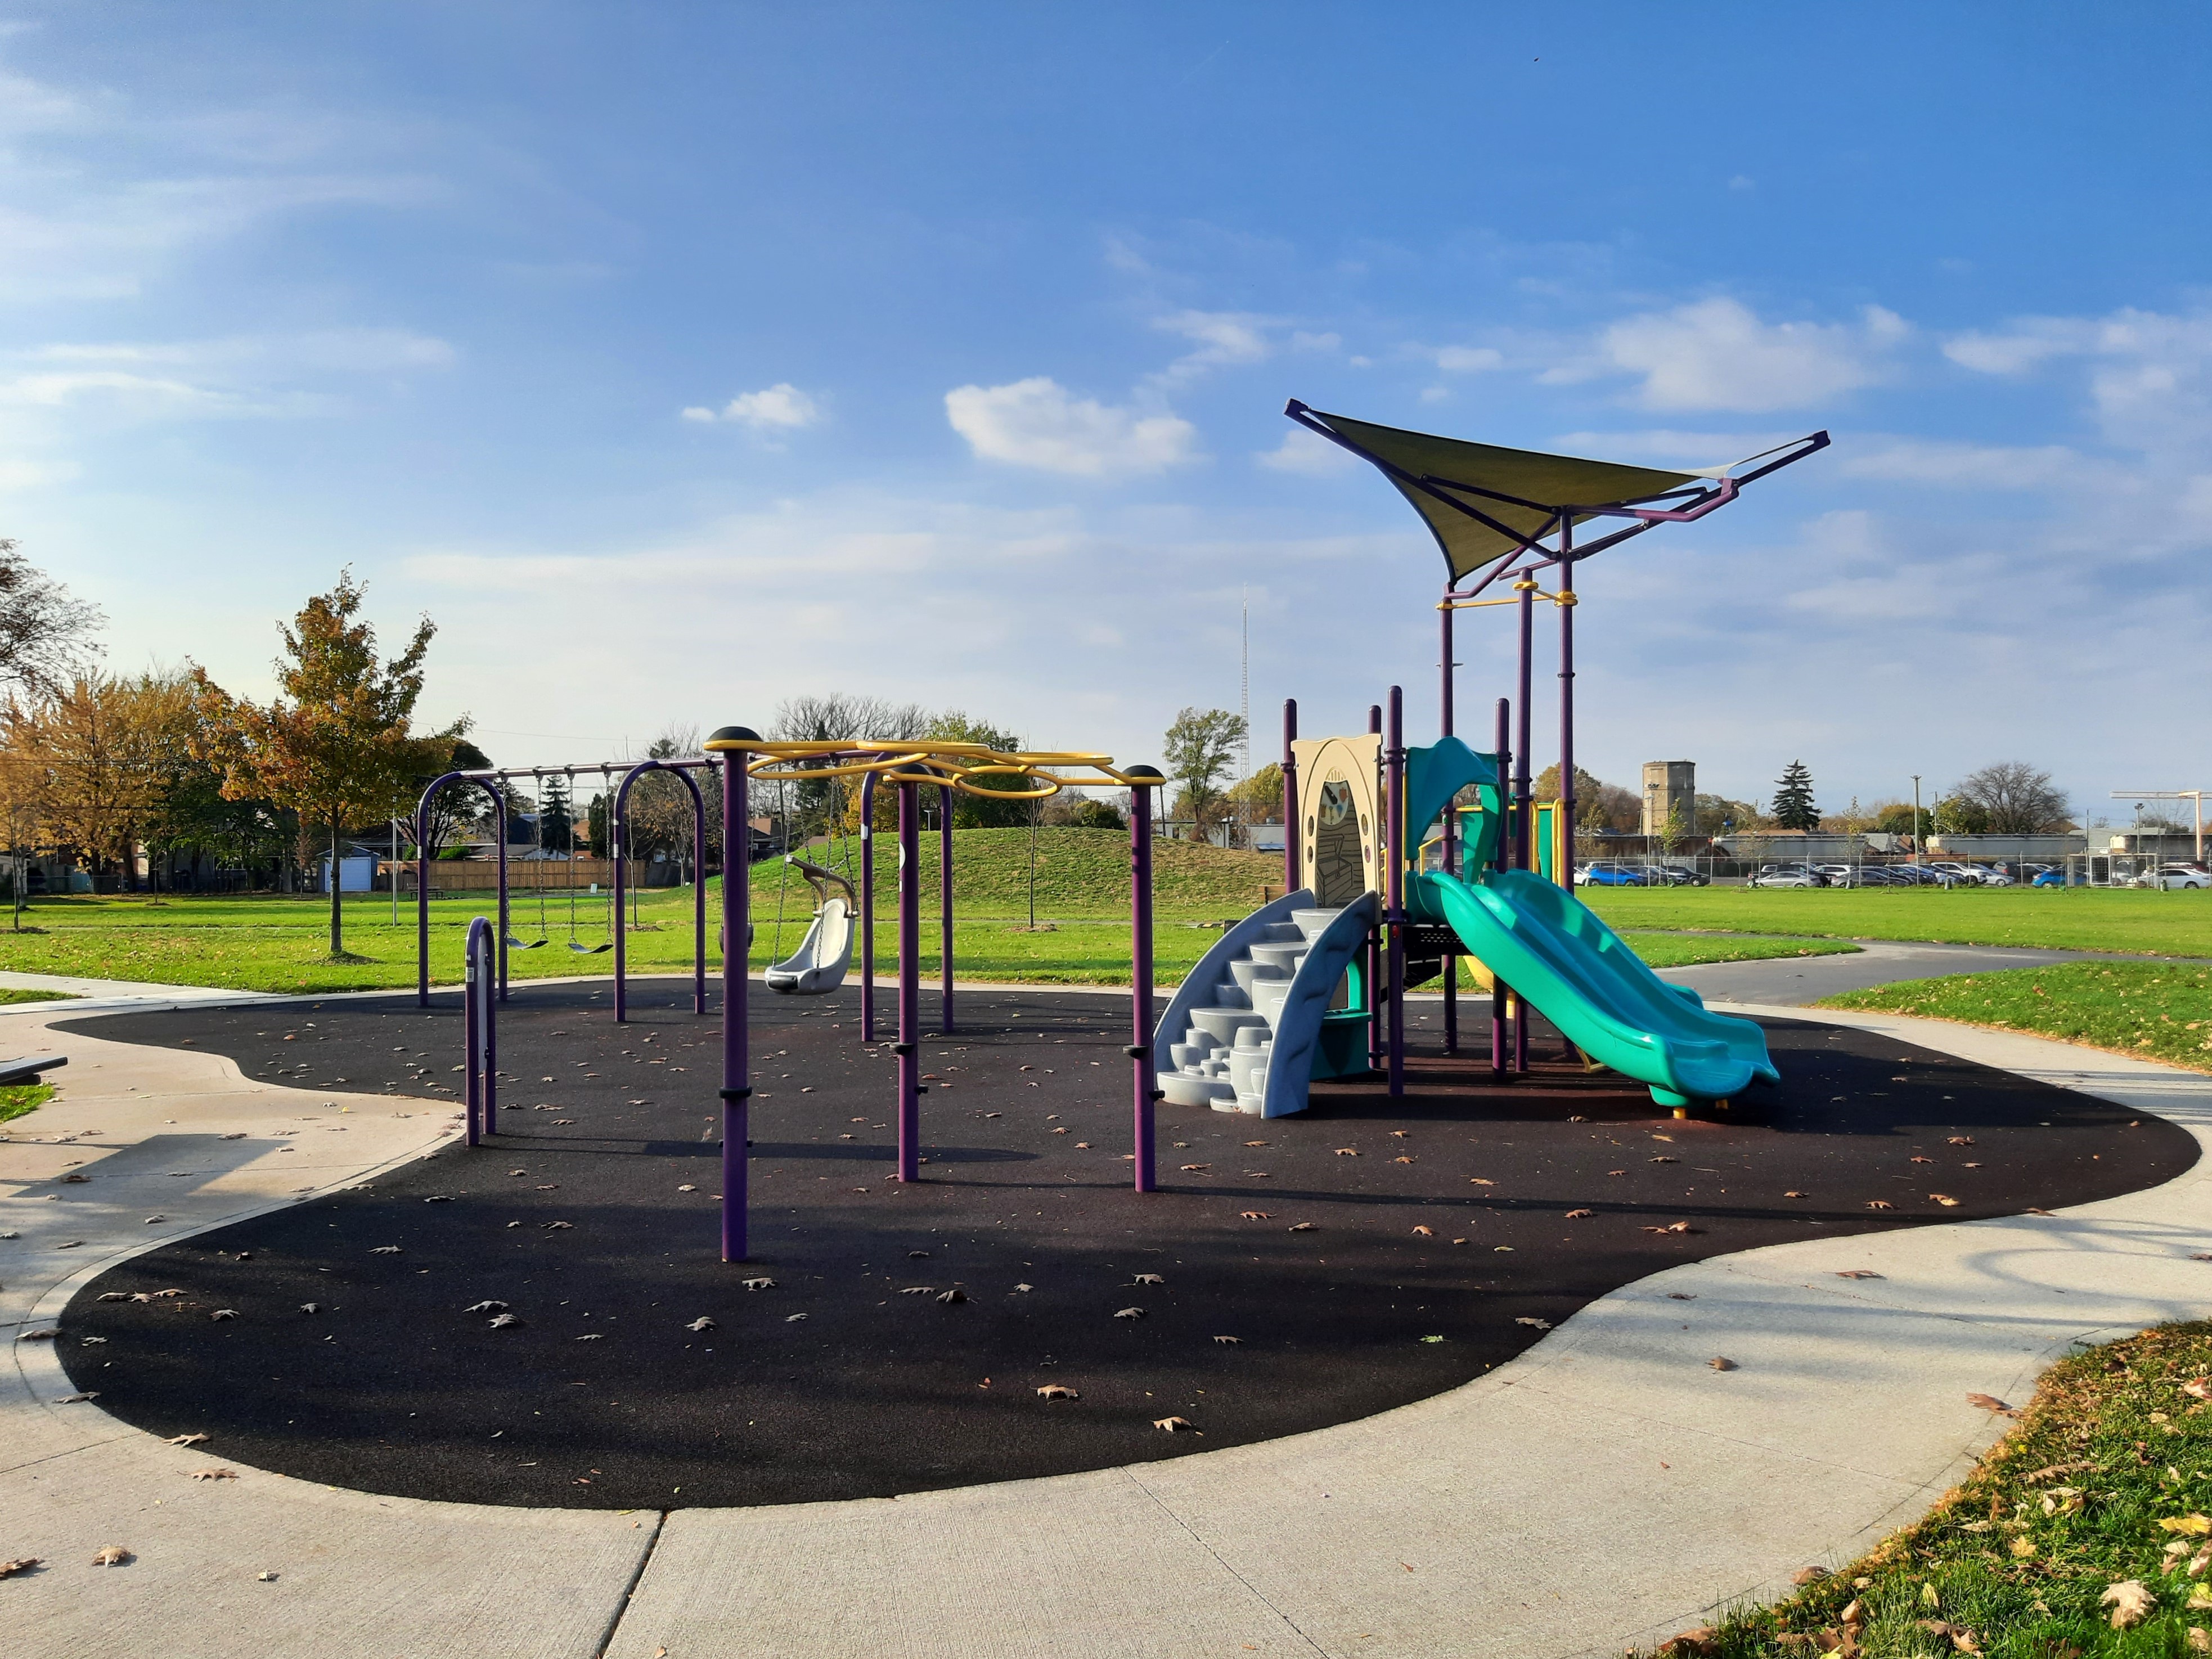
<point x="1149" y="774"/>
<point x="734" y="734"/>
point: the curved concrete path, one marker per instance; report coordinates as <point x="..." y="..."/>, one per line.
<point x="1608" y="1487"/>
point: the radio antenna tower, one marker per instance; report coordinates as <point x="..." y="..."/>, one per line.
<point x="1244" y="687"/>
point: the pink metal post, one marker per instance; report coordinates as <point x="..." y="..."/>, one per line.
<point x="1140" y="975"/>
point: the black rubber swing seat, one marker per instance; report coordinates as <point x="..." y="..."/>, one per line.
<point x="514" y="944"/>
<point x="583" y="950"/>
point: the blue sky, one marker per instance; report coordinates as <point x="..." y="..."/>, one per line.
<point x="680" y="359"/>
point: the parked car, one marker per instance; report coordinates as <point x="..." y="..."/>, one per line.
<point x="1880" y="875"/>
<point x="1606" y="873"/>
<point x="1787" y="875"/>
<point x="2047" y="877"/>
<point x="1681" y="875"/>
<point x="1928" y="875"/>
<point x="2172" y="878"/>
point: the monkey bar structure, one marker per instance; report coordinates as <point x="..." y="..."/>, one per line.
<point x="910" y="767"/>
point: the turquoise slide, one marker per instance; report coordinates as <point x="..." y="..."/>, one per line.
<point x="1553" y="950"/>
<point x="1556" y="952"/>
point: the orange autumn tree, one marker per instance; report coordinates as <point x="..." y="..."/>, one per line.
<point x="336" y="746"/>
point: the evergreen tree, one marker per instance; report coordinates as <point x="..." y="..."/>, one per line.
<point x="1793" y="799"/>
<point x="554" y="833"/>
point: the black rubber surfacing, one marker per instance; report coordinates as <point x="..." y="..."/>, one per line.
<point x="849" y="1377"/>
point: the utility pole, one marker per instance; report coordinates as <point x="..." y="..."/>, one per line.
<point x="1916" y="817"/>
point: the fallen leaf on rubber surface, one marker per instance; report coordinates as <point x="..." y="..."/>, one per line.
<point x="1195" y="1169"/>
<point x="792" y="1318"/>
<point x="22" y="1564"/>
<point x="757" y="1284"/>
<point x="1721" y="1364"/>
<point x="593" y="1336"/>
<point x="1477" y="1181"/>
<point x="385" y="1250"/>
<point x="1857" y="1273"/>
<point x="1577" y="1215"/>
<point x="1534" y="1322"/>
<point x="1306" y="1226"/>
<point x="1793" y="1193"/>
<point x="1057" y="1391"/>
<point x="111" y="1555"/>
<point x="1347" y="1151"/>
<point x="1917" y="1158"/>
<point x="956" y="1294"/>
<point x="214" y="1474"/>
<point x="919" y="1290"/>
<point x="1176" y="1425"/>
<point x="1024" y="1289"/>
<point x="162" y="1296"/>
<point x="186" y="1439"/>
<point x="1146" y="1279"/>
<point x="1402" y="1160"/>
<point x="1880" y="1204"/>
<point x="701" y="1324"/>
<point x="501" y="1322"/>
<point x="1130" y="1313"/>
<point x="1959" y="1140"/>
<point x="687" y="1187"/>
<point x="1662" y="1160"/>
<point x="487" y="1306"/>
<point x="113" y="1296"/>
<point x="1945" y="1200"/>
<point x="1229" y="1341"/>
<point x="1988" y="1403"/>
<point x="559" y="1226"/>
<point x="310" y="1307"/>
<point x="1425" y="1232"/>
<point x="2130" y="1602"/>
<point x="1255" y="1143"/>
<point x="1254" y="1215"/>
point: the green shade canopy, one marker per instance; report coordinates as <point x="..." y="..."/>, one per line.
<point x="1536" y="488"/>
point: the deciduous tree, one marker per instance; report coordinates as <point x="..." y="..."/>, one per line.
<point x="2015" y="798"/>
<point x="1197" y="752"/>
<point x="46" y="636"/>
<point x="337" y="745"/>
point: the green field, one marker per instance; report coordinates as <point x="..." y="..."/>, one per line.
<point x="8" y="998"/>
<point x="2098" y="1487"/>
<point x="270" y="943"/>
<point x="2057" y="918"/>
<point x="2153" y="1010"/>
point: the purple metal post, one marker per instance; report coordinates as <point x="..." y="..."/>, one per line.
<point x="1291" y="825"/>
<point x="1141" y="972"/>
<point x="1372" y="955"/>
<point x="945" y="900"/>
<point x="472" y="1073"/>
<point x="1500" y="853"/>
<point x="1445" y="860"/>
<point x="618" y="827"/>
<point x="1566" y="874"/>
<point x="1394" y="849"/>
<point x="1523" y="855"/>
<point x="868" y="906"/>
<point x="910" y="983"/>
<point x="737" y="939"/>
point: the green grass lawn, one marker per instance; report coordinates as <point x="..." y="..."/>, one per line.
<point x="264" y="943"/>
<point x="2156" y="1011"/>
<point x="2056" y="918"/>
<point x="2103" y="1484"/>
<point x="24" y="1097"/>
<point x="9" y="997"/>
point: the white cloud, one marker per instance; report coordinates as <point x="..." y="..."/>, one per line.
<point x="781" y="407"/>
<point x="1967" y="466"/>
<point x="1223" y="338"/>
<point x="1306" y="453"/>
<point x="1037" y="422"/>
<point x="32" y="475"/>
<point x="1468" y="360"/>
<point x="1717" y="354"/>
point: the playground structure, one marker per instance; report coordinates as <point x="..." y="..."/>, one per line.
<point x="1311" y="985"/>
<point x="1399" y="861"/>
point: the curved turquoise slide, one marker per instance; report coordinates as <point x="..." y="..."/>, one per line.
<point x="1580" y="975"/>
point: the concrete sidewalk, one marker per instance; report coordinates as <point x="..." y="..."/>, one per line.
<point x="1608" y="1487"/>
